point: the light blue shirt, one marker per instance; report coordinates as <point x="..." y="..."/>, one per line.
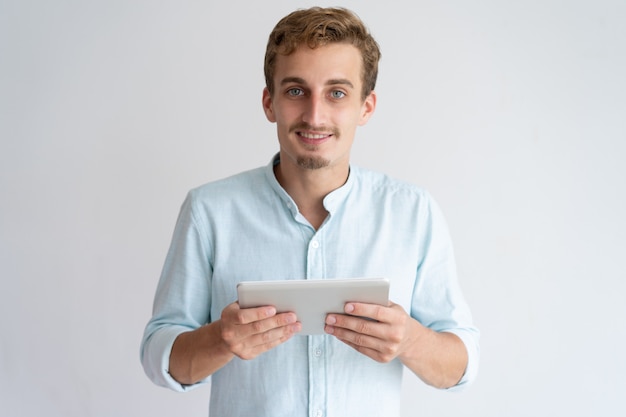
<point x="247" y="227"/>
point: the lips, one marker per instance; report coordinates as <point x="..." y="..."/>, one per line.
<point x="312" y="135"/>
<point x="310" y="138"/>
<point x="307" y="135"/>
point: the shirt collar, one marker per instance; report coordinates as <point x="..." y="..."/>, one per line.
<point x="332" y="201"/>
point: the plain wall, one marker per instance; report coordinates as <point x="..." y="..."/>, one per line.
<point x="511" y="113"/>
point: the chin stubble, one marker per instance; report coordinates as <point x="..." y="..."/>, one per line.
<point x="310" y="162"/>
<point x="313" y="162"/>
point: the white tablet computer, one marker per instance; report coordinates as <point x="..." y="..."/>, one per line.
<point x="312" y="300"/>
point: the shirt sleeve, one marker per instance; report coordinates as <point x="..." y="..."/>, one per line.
<point x="437" y="301"/>
<point x="182" y="300"/>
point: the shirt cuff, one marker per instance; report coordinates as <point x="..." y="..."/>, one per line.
<point x="470" y="340"/>
<point x="156" y="358"/>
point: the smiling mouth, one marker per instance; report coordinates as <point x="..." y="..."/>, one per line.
<point x="313" y="136"/>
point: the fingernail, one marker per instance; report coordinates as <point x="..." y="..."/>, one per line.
<point x="349" y="308"/>
<point x="331" y="320"/>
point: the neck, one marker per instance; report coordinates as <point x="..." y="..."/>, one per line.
<point x="308" y="187"/>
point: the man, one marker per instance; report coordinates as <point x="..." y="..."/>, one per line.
<point x="310" y="215"/>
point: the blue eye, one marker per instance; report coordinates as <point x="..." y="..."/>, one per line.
<point x="337" y="94"/>
<point x="294" y="92"/>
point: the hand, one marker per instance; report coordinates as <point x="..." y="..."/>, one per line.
<point x="438" y="358"/>
<point x="383" y="334"/>
<point x="252" y="331"/>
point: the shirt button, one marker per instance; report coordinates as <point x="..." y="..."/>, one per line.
<point x="319" y="413"/>
<point x="318" y="352"/>
<point x="315" y="244"/>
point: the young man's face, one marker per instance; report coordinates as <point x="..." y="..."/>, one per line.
<point x="317" y="104"/>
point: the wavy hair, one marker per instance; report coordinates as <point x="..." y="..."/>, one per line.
<point x="317" y="27"/>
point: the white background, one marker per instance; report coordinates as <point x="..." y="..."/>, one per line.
<point x="512" y="113"/>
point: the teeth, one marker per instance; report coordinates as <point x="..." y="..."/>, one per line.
<point x="312" y="136"/>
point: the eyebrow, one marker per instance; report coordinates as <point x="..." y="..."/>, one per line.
<point x="298" y="80"/>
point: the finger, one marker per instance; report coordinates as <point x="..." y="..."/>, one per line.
<point x="358" y="324"/>
<point x="386" y="323"/>
<point x="376" y="348"/>
<point x="260" y="343"/>
<point x="371" y="311"/>
<point x="355" y="329"/>
<point x="248" y="315"/>
<point x="274" y="336"/>
<point x="275" y="322"/>
<point x="239" y="324"/>
<point x="257" y="343"/>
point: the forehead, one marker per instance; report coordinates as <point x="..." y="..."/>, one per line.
<point x="320" y="64"/>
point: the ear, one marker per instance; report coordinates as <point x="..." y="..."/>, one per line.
<point x="368" y="107"/>
<point x="268" y="107"/>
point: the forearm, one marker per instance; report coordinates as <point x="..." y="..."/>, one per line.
<point x="438" y="358"/>
<point x="198" y="354"/>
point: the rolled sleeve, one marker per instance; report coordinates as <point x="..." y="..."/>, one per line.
<point x="155" y="358"/>
<point x="469" y="337"/>
<point x="438" y="302"/>
<point x="182" y="300"/>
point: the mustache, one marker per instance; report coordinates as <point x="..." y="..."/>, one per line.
<point x="319" y="129"/>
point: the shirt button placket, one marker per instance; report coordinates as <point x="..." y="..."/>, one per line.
<point x="317" y="364"/>
<point x="317" y="376"/>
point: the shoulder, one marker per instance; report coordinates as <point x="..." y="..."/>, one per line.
<point x="226" y="188"/>
<point x="381" y="185"/>
<point x="392" y="201"/>
<point x="221" y="198"/>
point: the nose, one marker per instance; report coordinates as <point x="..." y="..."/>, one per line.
<point x="314" y="112"/>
